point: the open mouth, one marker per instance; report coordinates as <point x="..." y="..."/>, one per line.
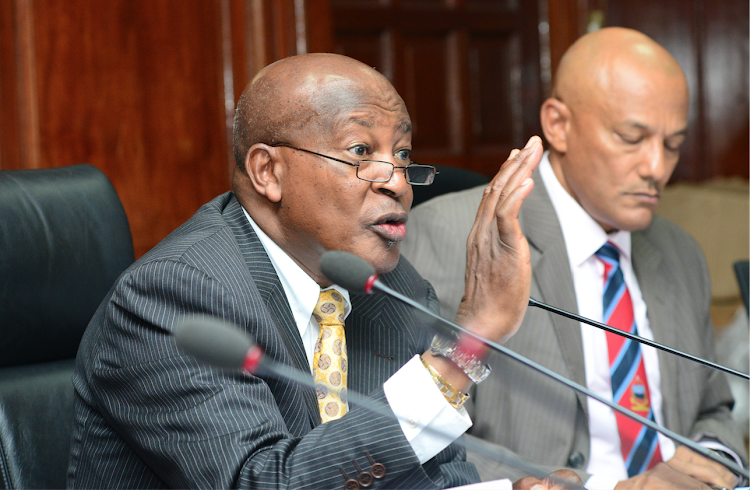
<point x="391" y="227"/>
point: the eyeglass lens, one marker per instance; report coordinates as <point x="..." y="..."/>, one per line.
<point x="377" y="171"/>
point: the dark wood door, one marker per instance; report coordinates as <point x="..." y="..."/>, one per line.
<point x="468" y="70"/>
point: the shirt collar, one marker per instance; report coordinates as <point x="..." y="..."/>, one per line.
<point x="583" y="236"/>
<point x="301" y="290"/>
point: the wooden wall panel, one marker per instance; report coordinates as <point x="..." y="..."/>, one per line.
<point x="143" y="89"/>
<point x="725" y="70"/>
<point x="424" y="79"/>
<point x="135" y="88"/>
<point x="468" y="71"/>
<point x="495" y="92"/>
<point x="10" y="138"/>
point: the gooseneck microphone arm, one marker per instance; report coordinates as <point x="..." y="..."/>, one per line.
<point x="642" y="340"/>
<point x="223" y="345"/>
<point x="355" y="274"/>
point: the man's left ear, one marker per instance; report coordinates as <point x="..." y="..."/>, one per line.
<point x="262" y="166"/>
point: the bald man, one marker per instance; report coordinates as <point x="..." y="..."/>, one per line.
<point x="614" y="124"/>
<point x="323" y="147"/>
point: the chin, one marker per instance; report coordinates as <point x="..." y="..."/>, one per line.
<point x="387" y="260"/>
<point x="639" y="222"/>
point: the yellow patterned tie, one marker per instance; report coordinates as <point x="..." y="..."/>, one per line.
<point x="329" y="362"/>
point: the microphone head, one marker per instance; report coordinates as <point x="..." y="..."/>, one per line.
<point x="213" y="341"/>
<point x="347" y="270"/>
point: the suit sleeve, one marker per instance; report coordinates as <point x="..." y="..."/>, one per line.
<point x="200" y="427"/>
<point x="713" y="420"/>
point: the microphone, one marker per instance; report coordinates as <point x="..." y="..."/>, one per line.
<point x="642" y="340"/>
<point x="223" y="345"/>
<point x="347" y="270"/>
<point x="334" y="263"/>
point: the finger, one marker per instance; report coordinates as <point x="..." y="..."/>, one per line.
<point x="524" y="163"/>
<point x="515" y="174"/>
<point x="511" y="207"/>
<point x="486" y="210"/>
<point x="704" y="470"/>
<point x="493" y="191"/>
<point x="487" y="203"/>
<point x="517" y="191"/>
<point x="529" y="483"/>
<point x="518" y="163"/>
<point x="563" y="480"/>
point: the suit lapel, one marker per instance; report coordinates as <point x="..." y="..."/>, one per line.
<point x="659" y="295"/>
<point x="273" y="295"/>
<point x="552" y="279"/>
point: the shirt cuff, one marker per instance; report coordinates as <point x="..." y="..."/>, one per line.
<point x="721" y="448"/>
<point x="427" y="420"/>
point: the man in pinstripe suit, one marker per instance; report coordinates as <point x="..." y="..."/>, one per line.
<point x="149" y="416"/>
<point x="615" y="123"/>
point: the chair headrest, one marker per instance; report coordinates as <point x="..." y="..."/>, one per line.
<point x="64" y="239"/>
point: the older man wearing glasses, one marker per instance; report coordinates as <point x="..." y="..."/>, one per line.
<point x="323" y="150"/>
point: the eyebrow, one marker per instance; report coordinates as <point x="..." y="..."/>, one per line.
<point x="647" y="128"/>
<point x="403" y="126"/>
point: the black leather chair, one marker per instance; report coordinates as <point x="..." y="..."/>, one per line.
<point x="64" y="239"/>
<point x="450" y="179"/>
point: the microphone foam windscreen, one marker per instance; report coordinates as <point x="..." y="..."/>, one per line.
<point x="347" y="270"/>
<point x="213" y="341"/>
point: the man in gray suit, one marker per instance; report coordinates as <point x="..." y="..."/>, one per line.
<point x="323" y="145"/>
<point x="614" y="123"/>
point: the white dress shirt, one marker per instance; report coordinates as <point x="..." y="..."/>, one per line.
<point x="583" y="237"/>
<point x="428" y="421"/>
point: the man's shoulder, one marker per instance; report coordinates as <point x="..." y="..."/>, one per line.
<point x="667" y="237"/>
<point x="208" y="224"/>
<point x="205" y="242"/>
<point x="462" y="201"/>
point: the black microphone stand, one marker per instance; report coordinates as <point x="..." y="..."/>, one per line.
<point x="445" y="326"/>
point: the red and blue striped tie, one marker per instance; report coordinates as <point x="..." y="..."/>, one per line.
<point x="639" y="444"/>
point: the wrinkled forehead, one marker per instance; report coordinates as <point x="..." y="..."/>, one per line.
<point x="338" y="100"/>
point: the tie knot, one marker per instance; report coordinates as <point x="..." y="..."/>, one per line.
<point x="609" y="253"/>
<point x="330" y="308"/>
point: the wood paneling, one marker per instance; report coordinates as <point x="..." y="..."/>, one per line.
<point x="143" y="89"/>
<point x="468" y="71"/>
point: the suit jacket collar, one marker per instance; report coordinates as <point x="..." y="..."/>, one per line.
<point x="654" y="279"/>
<point x="552" y="279"/>
<point x="272" y="293"/>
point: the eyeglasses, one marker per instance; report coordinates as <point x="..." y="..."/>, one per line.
<point x="379" y="171"/>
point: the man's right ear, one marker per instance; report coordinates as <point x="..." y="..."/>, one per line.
<point x="555" y="118"/>
<point x="263" y="167"/>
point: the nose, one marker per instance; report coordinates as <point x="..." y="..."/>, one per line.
<point x="396" y="186"/>
<point x="656" y="163"/>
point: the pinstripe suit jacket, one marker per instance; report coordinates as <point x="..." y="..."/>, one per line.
<point x="532" y="415"/>
<point x="148" y="416"/>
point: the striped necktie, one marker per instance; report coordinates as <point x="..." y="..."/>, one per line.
<point x="639" y="444"/>
<point x="329" y="361"/>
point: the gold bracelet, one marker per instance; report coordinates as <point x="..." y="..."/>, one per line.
<point x="451" y="394"/>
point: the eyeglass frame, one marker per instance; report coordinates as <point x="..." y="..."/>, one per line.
<point x="356" y="165"/>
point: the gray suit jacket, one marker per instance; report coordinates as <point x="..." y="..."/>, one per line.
<point x="532" y="415"/>
<point x="148" y="416"/>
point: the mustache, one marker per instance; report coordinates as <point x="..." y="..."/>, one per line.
<point x="649" y="186"/>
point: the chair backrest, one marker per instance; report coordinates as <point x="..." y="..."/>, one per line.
<point x="450" y="179"/>
<point x="64" y="239"/>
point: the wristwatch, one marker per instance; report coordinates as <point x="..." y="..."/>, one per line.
<point x="447" y="347"/>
